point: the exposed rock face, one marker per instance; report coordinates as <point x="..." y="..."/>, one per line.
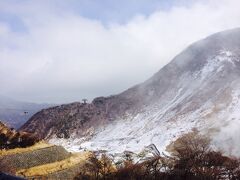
<point x="199" y="88"/>
<point x="78" y="118"/>
<point x="10" y="138"/>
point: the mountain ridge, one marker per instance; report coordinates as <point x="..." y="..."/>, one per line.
<point x="197" y="89"/>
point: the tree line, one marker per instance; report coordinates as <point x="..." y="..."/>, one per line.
<point x="192" y="158"/>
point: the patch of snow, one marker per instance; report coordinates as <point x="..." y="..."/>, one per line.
<point x="216" y="63"/>
<point x="166" y="120"/>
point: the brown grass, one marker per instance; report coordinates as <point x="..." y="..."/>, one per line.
<point x="46" y="169"/>
<point x="39" y="145"/>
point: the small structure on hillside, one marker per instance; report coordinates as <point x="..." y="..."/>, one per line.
<point x="84" y="101"/>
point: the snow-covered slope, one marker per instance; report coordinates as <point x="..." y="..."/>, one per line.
<point x="199" y="88"/>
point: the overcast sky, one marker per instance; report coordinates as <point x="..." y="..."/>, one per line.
<point x="60" y="51"/>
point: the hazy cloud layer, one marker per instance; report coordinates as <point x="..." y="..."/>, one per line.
<point x="59" y="56"/>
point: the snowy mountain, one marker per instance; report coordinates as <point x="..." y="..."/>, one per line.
<point x="199" y="88"/>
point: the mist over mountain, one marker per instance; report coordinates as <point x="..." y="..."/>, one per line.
<point x="198" y="89"/>
<point x="15" y="113"/>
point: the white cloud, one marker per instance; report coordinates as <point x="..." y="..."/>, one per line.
<point x="63" y="57"/>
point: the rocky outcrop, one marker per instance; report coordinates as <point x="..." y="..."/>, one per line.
<point x="77" y="118"/>
<point x="10" y="138"/>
